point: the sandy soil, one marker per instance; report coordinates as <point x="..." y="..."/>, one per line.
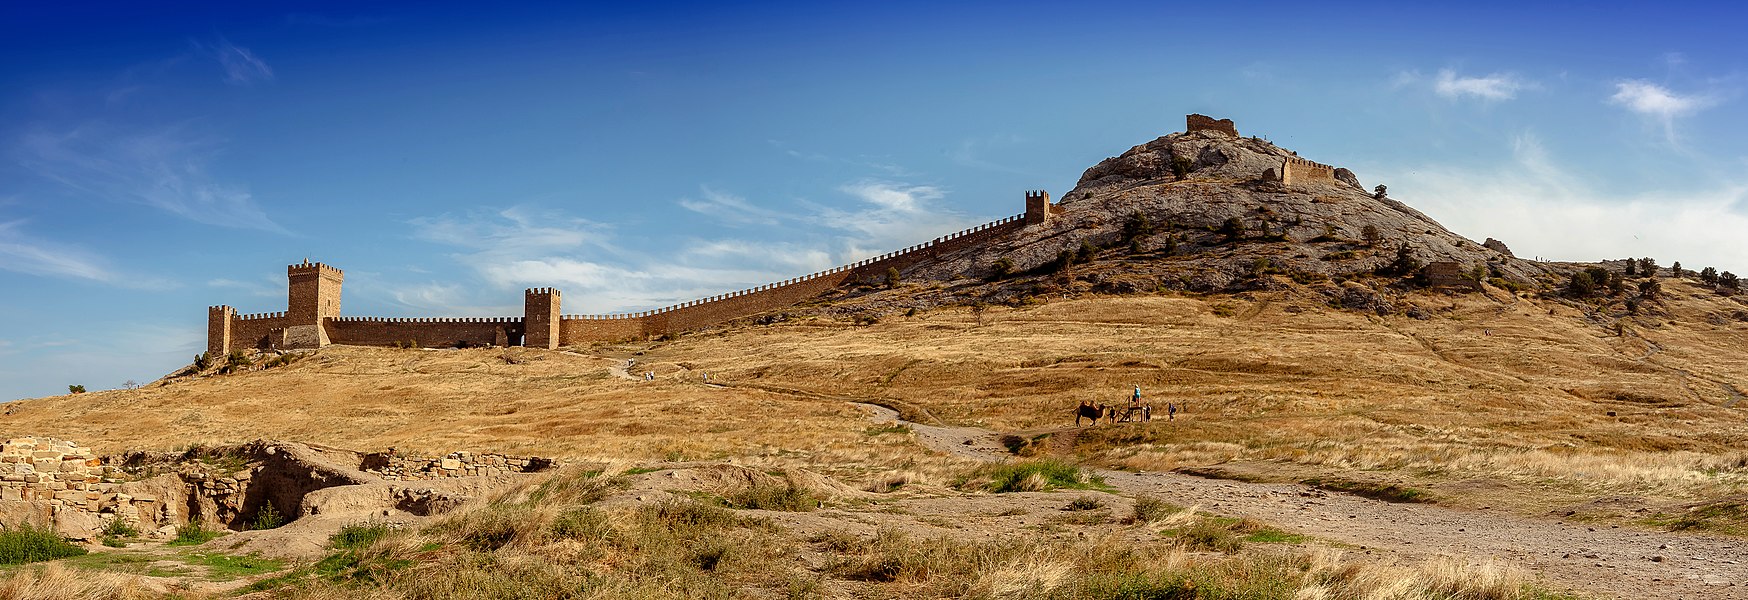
<point x="1611" y="562"/>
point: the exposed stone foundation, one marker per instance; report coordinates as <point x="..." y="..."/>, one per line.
<point x="398" y="467"/>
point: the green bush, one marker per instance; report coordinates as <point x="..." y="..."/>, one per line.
<point x="1086" y="503"/>
<point x="1149" y="509"/>
<point x="117" y="528"/>
<point x="192" y="533"/>
<point x="354" y="536"/>
<point x="29" y="543"/>
<point x="266" y="517"/>
<point x="1036" y="475"/>
<point x="75" y="389"/>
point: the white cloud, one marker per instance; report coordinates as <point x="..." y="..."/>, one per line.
<point x="1658" y="103"/>
<point x="1650" y="99"/>
<point x="729" y="207"/>
<point x="241" y="66"/>
<point x="1497" y="86"/>
<point x="1540" y="208"/>
<point x="519" y="248"/>
<point x="164" y="169"/>
<point x="23" y="253"/>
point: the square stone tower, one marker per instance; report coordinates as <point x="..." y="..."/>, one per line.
<point x="540" y="318"/>
<point x="1038" y="209"/>
<point x="314" y="295"/>
<point x="218" y="330"/>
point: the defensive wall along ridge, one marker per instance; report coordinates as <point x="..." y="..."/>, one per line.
<point x="312" y="318"/>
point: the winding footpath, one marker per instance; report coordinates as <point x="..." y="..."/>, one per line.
<point x="1610" y="562"/>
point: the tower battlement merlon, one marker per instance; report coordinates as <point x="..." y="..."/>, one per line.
<point x="318" y="268"/>
<point x="1038" y="207"/>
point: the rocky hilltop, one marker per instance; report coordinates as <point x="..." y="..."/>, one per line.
<point x="1213" y="206"/>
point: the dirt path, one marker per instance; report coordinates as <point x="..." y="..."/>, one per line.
<point x="1603" y="561"/>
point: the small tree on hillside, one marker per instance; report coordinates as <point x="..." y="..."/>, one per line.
<point x="1371" y="234"/>
<point x="1675" y="269"/>
<point x="1728" y="281"/>
<point x="1180" y="167"/>
<point x="1582" y="285"/>
<point x="1649" y="289"/>
<point x="1709" y="276"/>
<point x="1086" y="252"/>
<point x="1137" y="226"/>
<point x="1002" y="268"/>
<point x="1632" y="268"/>
<point x="1233" y="229"/>
<point x="1647" y="267"/>
<point x="75" y="389"/>
<point x="891" y="277"/>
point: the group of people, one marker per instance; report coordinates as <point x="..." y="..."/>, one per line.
<point x="1136" y="408"/>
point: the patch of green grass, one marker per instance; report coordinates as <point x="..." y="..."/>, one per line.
<point x="353" y="536"/>
<point x="225" y="567"/>
<point x="786" y="497"/>
<point x="192" y="533"/>
<point x="1209" y="534"/>
<point x="1034" y="476"/>
<point x="29" y="543"/>
<point x="641" y="470"/>
<point x="1729" y="518"/>
<point x="898" y="428"/>
<point x="1388" y="492"/>
<point x="130" y="562"/>
<point x="1270" y="535"/>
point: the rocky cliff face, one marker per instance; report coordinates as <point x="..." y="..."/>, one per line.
<point x="1193" y="187"/>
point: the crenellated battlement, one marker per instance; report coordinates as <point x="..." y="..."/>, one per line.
<point x="312" y="318"/>
<point x="309" y="267"/>
<point x="1299" y="170"/>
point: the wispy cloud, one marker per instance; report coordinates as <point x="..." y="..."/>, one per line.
<point x="730" y="208"/>
<point x="1541" y="207"/>
<point x="521" y="247"/>
<point x="241" y="66"/>
<point x="973" y="153"/>
<point x="23" y="253"/>
<point x="1493" y="87"/>
<point x="163" y="168"/>
<point x="1658" y="103"/>
<point x="886" y="168"/>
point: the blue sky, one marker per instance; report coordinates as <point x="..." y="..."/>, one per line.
<point x="159" y="158"/>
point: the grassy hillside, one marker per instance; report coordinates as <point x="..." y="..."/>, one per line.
<point x="1494" y="399"/>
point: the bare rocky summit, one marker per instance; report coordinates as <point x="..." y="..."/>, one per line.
<point x="1214" y="207"/>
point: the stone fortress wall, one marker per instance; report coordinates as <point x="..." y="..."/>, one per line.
<point x="1299" y="170"/>
<point x="56" y="481"/>
<point x="401" y="467"/>
<point x="312" y="318"/>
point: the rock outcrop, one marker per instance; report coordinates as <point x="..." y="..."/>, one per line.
<point x="1209" y="199"/>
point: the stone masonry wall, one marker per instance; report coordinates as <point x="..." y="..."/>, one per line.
<point x="55" y="481"/>
<point x="748" y="302"/>
<point x="456" y="464"/>
<point x="1207" y="123"/>
<point x="429" y="333"/>
<point x="1298" y="170"/>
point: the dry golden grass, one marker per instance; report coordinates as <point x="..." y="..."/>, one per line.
<point x="55" y="582"/>
<point x="1515" y="391"/>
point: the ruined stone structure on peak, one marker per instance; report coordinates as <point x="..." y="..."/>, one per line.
<point x="312" y="317"/>
<point x="1194" y="123"/>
